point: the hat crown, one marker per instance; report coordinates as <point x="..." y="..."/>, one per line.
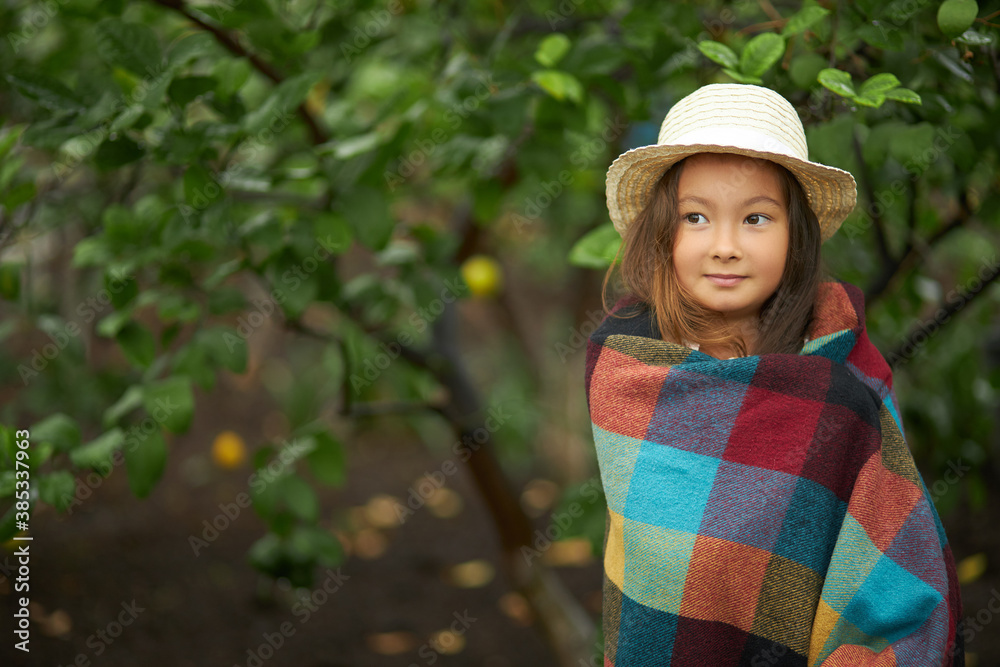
<point x="741" y="115"/>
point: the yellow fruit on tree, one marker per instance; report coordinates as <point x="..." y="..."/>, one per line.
<point x="483" y="275"/>
<point x="228" y="450"/>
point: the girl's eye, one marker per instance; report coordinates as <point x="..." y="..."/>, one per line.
<point x="756" y="219"/>
<point x="694" y="218"/>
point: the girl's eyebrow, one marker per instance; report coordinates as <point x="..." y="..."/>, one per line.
<point x="759" y="199"/>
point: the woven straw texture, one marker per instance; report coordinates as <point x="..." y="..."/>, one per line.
<point x="730" y="118"/>
<point x="764" y="510"/>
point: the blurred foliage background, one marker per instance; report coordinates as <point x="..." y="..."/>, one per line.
<point x="403" y="202"/>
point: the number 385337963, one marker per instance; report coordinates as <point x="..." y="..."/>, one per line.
<point x="23" y="476"/>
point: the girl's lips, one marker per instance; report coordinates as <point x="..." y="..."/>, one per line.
<point x="725" y="280"/>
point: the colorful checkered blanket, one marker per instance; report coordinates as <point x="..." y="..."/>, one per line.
<point x="764" y="510"/>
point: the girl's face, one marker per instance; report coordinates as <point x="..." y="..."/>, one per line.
<point x="732" y="233"/>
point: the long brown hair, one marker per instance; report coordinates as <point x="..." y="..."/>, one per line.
<point x="647" y="272"/>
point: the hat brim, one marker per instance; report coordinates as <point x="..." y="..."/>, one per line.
<point x="831" y="192"/>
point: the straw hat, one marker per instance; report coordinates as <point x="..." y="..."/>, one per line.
<point x="730" y="118"/>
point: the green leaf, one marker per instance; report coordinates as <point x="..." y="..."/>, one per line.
<point x="880" y="83"/>
<point x="277" y="111"/>
<point x="552" y="49"/>
<point x="20" y="194"/>
<point x="98" y="452"/>
<point x="559" y="85"/>
<point x="903" y="95"/>
<point x="145" y="460"/>
<point x="327" y="460"/>
<point x="49" y="93"/>
<point x="123" y="289"/>
<point x="192" y="361"/>
<point x="803" y="20"/>
<point x="192" y="46"/>
<point x="185" y="90"/>
<point x="10" y="281"/>
<point x="170" y="402"/>
<point x="132" y="46"/>
<point x="367" y="212"/>
<point x="870" y="99"/>
<point x="761" y="53"/>
<point x="9" y="137"/>
<point x="299" y="498"/>
<point x="225" y="348"/>
<point x="597" y="248"/>
<point x="122" y="225"/>
<point x="130" y="400"/>
<point x="200" y="189"/>
<point x="881" y="34"/>
<point x="804" y="69"/>
<point x="837" y="81"/>
<point x="59" y="430"/>
<point x="115" y="153"/>
<point x="333" y="233"/>
<point x="741" y="77"/>
<point x="137" y="343"/>
<point x="956" y="16"/>
<point x="110" y="326"/>
<point x="719" y="53"/>
<point x="57" y="489"/>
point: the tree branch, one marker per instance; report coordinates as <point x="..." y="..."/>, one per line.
<point x="919" y="334"/>
<point x="879" y="285"/>
<point x="234" y="47"/>
<point x="866" y="183"/>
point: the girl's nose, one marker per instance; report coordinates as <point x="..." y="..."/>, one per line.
<point x="725" y="243"/>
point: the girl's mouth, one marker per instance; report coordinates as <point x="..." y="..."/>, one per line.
<point x="725" y="280"/>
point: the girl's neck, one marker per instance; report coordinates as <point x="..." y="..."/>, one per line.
<point x="746" y="330"/>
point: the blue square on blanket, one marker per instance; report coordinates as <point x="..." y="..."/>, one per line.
<point x="748" y="505"/>
<point x="696" y="411"/>
<point x="891" y="602"/>
<point x="670" y="487"/>
<point x="812" y="522"/>
<point x="645" y="636"/>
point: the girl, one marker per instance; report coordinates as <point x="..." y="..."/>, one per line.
<point x="763" y="507"/>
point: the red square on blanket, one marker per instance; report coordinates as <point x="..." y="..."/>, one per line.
<point x="724" y="581"/>
<point x="882" y="501"/>
<point x="773" y="431"/>
<point x="624" y="400"/>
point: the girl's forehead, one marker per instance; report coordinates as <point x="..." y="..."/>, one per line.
<point x="722" y="177"/>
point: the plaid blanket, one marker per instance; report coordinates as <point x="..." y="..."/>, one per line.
<point x="764" y="510"/>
